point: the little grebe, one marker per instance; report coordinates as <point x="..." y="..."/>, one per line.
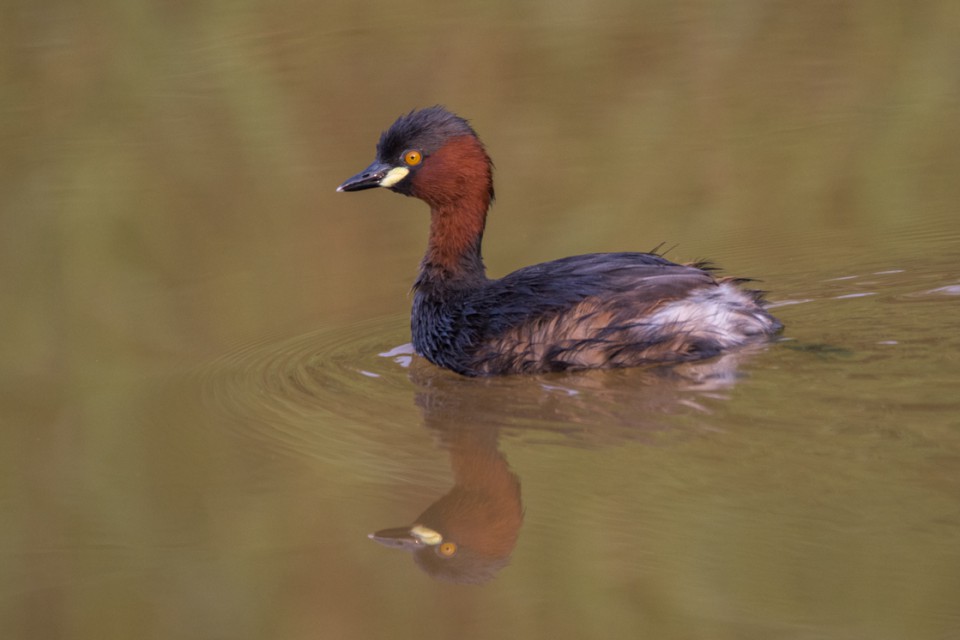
<point x="591" y="311"/>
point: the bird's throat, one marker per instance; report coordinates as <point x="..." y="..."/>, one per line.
<point x="456" y="233"/>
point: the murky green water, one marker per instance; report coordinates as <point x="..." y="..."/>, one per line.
<point x="207" y="401"/>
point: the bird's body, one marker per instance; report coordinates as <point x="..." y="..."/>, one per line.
<point x="590" y="311"/>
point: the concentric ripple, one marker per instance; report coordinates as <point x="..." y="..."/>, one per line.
<point x="281" y="391"/>
<point x="349" y="385"/>
<point x="325" y="390"/>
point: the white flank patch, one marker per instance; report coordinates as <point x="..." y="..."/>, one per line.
<point x="722" y="314"/>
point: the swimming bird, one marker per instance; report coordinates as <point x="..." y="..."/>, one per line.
<point x="597" y="310"/>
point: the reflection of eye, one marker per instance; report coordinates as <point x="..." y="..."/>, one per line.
<point x="447" y="549"/>
<point x="412" y="157"/>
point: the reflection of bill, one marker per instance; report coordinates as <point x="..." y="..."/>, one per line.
<point x="469" y="533"/>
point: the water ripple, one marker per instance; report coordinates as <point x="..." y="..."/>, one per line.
<point x="306" y="392"/>
<point x="326" y="389"/>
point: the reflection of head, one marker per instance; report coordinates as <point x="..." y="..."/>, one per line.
<point x="467" y="535"/>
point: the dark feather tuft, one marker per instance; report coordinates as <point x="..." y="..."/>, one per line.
<point x="425" y="129"/>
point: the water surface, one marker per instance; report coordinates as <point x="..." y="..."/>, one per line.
<point x="208" y="397"/>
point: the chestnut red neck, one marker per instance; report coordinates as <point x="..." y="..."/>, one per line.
<point x="457" y="182"/>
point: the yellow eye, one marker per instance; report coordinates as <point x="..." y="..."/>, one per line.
<point x="447" y="549"/>
<point x="412" y="157"/>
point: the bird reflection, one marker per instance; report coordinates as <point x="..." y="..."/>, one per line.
<point x="469" y="533"/>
